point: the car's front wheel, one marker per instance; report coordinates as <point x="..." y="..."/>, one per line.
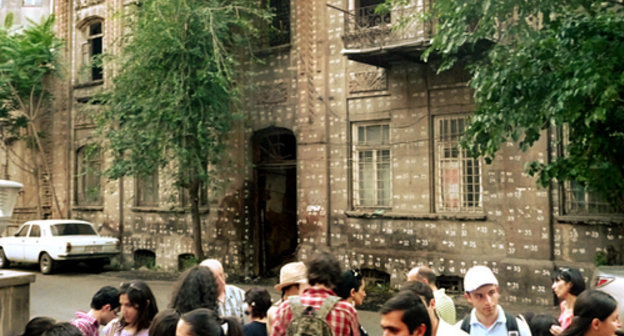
<point x="46" y="263"/>
<point x="4" y="262"/>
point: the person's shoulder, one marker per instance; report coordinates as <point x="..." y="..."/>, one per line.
<point x="445" y="328"/>
<point x="345" y="306"/>
<point x="234" y="289"/>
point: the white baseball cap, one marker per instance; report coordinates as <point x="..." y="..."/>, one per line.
<point x="478" y="276"/>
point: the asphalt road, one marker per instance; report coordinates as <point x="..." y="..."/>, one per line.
<point x="60" y="295"/>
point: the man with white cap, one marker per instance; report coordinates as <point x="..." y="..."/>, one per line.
<point x="231" y="298"/>
<point x="293" y="281"/>
<point x="487" y="318"/>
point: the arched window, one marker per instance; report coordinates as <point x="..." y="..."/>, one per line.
<point x="88" y="176"/>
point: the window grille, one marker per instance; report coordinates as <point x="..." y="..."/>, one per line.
<point x="458" y="175"/>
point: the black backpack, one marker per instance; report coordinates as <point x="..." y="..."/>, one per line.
<point x="512" y="324"/>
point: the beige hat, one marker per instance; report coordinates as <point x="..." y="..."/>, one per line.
<point x="291" y="274"/>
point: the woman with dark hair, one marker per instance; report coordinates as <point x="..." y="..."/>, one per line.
<point x="195" y="288"/>
<point x="138" y="308"/>
<point x="351" y="288"/>
<point x="164" y="323"/>
<point x="595" y="314"/>
<point x="38" y="325"/>
<point x="206" y="322"/>
<point x="258" y="302"/>
<point x="63" y="329"/>
<point x="540" y="324"/>
<point x="568" y="283"/>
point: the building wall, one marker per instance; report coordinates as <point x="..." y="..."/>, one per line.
<point x="310" y="88"/>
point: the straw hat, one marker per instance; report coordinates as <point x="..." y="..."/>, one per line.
<point x="291" y="274"/>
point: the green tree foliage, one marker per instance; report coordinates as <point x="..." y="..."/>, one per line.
<point x="547" y="65"/>
<point x="28" y="59"/>
<point x="174" y="98"/>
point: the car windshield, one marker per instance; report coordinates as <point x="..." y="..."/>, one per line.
<point x="72" y="229"/>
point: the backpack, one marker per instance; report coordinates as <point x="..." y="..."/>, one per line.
<point x="512" y="324"/>
<point x="307" y="321"/>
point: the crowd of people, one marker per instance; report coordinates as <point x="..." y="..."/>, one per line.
<point x="317" y="298"/>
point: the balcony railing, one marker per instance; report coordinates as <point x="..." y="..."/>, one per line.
<point x="366" y="31"/>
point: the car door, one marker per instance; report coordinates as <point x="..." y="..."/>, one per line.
<point x="32" y="244"/>
<point x="14" y="246"/>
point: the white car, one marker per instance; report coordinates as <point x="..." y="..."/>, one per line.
<point x="610" y="279"/>
<point x="49" y="242"/>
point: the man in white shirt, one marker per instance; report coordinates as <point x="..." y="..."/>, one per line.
<point x="231" y="298"/>
<point x="445" y="307"/>
<point x="439" y="327"/>
<point x="487" y="318"/>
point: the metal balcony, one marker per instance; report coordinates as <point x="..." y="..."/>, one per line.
<point x="378" y="40"/>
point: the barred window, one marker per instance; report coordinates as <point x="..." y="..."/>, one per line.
<point x="373" y="176"/>
<point x="458" y="180"/>
<point x="366" y="15"/>
<point x="580" y="201"/>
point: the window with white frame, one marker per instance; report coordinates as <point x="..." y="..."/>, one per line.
<point x="147" y="190"/>
<point x="372" y="169"/>
<point x="458" y="180"/>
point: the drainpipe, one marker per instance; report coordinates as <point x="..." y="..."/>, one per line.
<point x="326" y="106"/>
<point x="121" y="220"/>
<point x="551" y="216"/>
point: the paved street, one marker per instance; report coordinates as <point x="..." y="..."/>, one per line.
<point x="61" y="295"/>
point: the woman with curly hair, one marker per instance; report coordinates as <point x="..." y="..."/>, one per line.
<point x="138" y="308"/>
<point x="195" y="288"/>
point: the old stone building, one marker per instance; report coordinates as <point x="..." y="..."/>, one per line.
<point x="348" y="143"/>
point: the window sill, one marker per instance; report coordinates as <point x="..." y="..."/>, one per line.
<point x="382" y="214"/>
<point x="88" y="208"/>
<point x="89" y="84"/>
<point x="203" y="210"/>
<point x="603" y="219"/>
<point x="266" y="51"/>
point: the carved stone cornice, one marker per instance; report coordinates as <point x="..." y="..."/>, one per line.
<point x="79" y="4"/>
<point x="367" y="81"/>
<point x="273" y="94"/>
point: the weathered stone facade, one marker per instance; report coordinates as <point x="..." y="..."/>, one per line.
<point x="297" y="178"/>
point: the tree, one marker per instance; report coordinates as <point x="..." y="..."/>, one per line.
<point x="28" y="59"/>
<point x="546" y="65"/>
<point x="174" y="98"/>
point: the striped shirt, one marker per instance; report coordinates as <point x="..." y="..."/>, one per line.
<point x="342" y="318"/>
<point x="234" y="304"/>
<point x="444" y="306"/>
<point x="86" y="323"/>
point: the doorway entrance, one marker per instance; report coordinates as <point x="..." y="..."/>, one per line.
<point x="275" y="199"/>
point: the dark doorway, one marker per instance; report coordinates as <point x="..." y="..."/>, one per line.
<point x="275" y="234"/>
